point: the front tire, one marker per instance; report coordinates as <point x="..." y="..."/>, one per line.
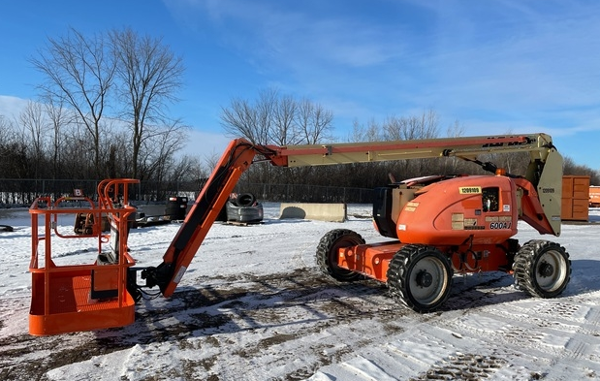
<point x="420" y="277"/>
<point x="327" y="253"/>
<point x="542" y="268"/>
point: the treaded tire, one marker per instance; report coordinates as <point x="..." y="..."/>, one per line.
<point x="420" y="277"/>
<point x="542" y="268"/>
<point x="327" y="253"/>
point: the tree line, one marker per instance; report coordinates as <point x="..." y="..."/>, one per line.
<point x="103" y="112"/>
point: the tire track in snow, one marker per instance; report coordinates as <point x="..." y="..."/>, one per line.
<point x="544" y="335"/>
<point x="518" y="339"/>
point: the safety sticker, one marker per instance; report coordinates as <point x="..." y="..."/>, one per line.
<point x="498" y="218"/>
<point x="470" y="221"/>
<point x="411" y="206"/>
<point x="180" y="273"/>
<point x="457" y="221"/>
<point x="458" y="217"/>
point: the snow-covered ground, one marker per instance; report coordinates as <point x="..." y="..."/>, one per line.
<point x="254" y="306"/>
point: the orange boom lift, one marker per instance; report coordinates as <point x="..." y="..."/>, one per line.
<point x="439" y="225"/>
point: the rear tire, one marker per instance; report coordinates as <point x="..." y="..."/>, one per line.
<point x="327" y="253"/>
<point x="542" y="268"/>
<point x="420" y="277"/>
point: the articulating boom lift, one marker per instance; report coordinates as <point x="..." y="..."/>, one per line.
<point x="440" y="225"/>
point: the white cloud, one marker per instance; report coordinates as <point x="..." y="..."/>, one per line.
<point x="205" y="145"/>
<point x="11" y="106"/>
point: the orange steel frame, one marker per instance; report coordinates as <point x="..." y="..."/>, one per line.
<point x="372" y="260"/>
<point x="60" y="294"/>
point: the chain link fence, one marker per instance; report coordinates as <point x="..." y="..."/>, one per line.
<point x="22" y="192"/>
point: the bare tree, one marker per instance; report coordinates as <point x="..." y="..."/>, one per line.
<point x="79" y="73"/>
<point x="32" y="122"/>
<point x="251" y="121"/>
<point x="276" y="119"/>
<point x="240" y="119"/>
<point x="188" y="169"/>
<point x="267" y="101"/>
<point x="118" y="159"/>
<point x="455" y="130"/>
<point x="5" y="142"/>
<point x="285" y="131"/>
<point x="150" y="75"/>
<point x="369" y="133"/>
<point x="425" y="126"/>
<point x="314" y="121"/>
<point x="58" y="118"/>
<point x="570" y="168"/>
<point x="5" y="129"/>
<point x="14" y="159"/>
<point x="159" y="153"/>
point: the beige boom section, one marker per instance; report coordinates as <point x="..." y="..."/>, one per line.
<point x="334" y="212"/>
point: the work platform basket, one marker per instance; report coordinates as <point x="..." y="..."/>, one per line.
<point x="72" y="297"/>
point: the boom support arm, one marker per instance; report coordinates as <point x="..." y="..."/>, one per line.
<point x="236" y="159"/>
<point x="240" y="154"/>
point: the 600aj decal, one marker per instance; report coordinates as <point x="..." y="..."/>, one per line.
<point x="500" y="225"/>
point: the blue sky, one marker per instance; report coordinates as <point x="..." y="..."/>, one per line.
<point x="493" y="66"/>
